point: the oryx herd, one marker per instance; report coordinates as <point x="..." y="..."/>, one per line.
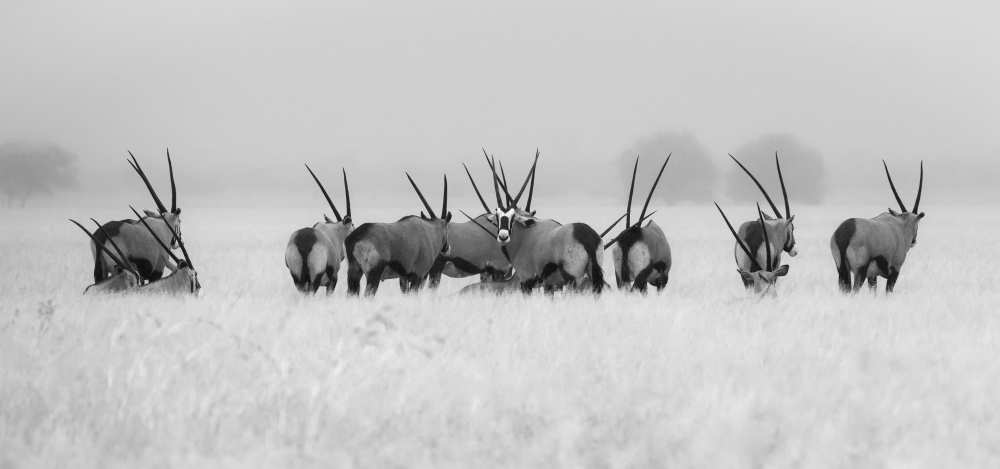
<point x="508" y="246"/>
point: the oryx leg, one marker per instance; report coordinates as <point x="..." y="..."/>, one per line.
<point x="316" y="281"/>
<point x="374" y="277"/>
<point x="353" y="278"/>
<point x="330" y="274"/>
<point x="859" y="277"/>
<point x="436" y="270"/>
<point x="890" y="283"/>
<point x="642" y="279"/>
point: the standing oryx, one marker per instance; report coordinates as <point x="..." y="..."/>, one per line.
<point x="542" y="249"/>
<point x="313" y="255"/>
<point x="407" y="248"/>
<point x="473" y="247"/>
<point x="780" y="229"/>
<point x="762" y="276"/>
<point x="125" y="276"/>
<point x="875" y="247"/>
<point x="184" y="279"/>
<point x="137" y="244"/>
<point x="641" y="253"/>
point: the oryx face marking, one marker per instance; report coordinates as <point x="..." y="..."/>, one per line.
<point x="789" y="246"/>
<point x="504" y="219"/>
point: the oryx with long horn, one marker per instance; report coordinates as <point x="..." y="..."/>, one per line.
<point x="137" y="244"/>
<point x="541" y="249"/>
<point x="762" y="275"/>
<point x="184" y="279"/>
<point x="780" y="228"/>
<point x="474" y="248"/>
<point x="641" y="253"/>
<point x="124" y="278"/>
<point x="876" y="247"/>
<point x="314" y="254"/>
<point x="406" y="248"/>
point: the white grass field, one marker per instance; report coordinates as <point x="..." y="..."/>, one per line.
<point x="252" y="374"/>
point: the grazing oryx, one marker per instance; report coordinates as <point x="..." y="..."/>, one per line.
<point x="406" y="248"/>
<point x="641" y="253"/>
<point x="542" y="249"/>
<point x="763" y="276"/>
<point x="473" y="247"/>
<point x="125" y="277"/>
<point x="875" y="247"/>
<point x="137" y="244"/>
<point x="780" y="229"/>
<point x="184" y="279"/>
<point x="313" y="255"/>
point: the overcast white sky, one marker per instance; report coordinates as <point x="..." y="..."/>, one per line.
<point x="254" y="88"/>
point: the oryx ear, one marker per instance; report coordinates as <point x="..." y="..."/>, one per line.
<point x="347" y="219"/>
<point x="447" y="217"/>
<point x="150" y="214"/>
<point x="920" y="216"/>
<point x="893" y="212"/>
<point x="533" y="212"/>
<point x="177" y="211"/>
<point x="327" y="219"/>
<point x="422" y="215"/>
<point x="791" y="219"/>
<point x="782" y="271"/>
<point x="529" y="222"/>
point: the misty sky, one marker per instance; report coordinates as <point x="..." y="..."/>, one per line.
<point x="254" y="88"/>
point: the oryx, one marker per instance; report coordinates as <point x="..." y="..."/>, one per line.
<point x="869" y="248"/>
<point x="125" y="276"/>
<point x="313" y="255"/>
<point x="406" y="248"/>
<point x="763" y="275"/>
<point x="541" y="249"/>
<point x="474" y="248"/>
<point x="780" y="229"/>
<point x="137" y="244"/>
<point x="184" y="279"/>
<point x="641" y="253"/>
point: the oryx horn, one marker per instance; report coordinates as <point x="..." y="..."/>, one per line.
<point x="739" y="241"/>
<point x="920" y="190"/>
<point x="496" y="187"/>
<point x="476" y="188"/>
<point x="102" y="247"/>
<point x="784" y="192"/>
<point x="336" y="213"/>
<point x="530" y="176"/>
<point x="173" y="185"/>
<point x="759" y="186"/>
<point x="531" y="188"/>
<point x="118" y="249"/>
<point x="767" y="242"/>
<point x="444" y="201"/>
<point x="892" y="186"/>
<point x="642" y="214"/>
<point x="430" y="212"/>
<point x="347" y="195"/>
<point x="142" y="174"/>
<point x="613" y="225"/>
<point x="631" y="190"/>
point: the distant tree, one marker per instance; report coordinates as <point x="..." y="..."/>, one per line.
<point x="802" y="167"/>
<point x="690" y="176"/>
<point x="28" y="169"/>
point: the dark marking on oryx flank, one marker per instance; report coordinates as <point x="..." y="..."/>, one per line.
<point x="842" y="239"/>
<point x="591" y="241"/>
<point x="883" y="265"/>
<point x="626" y="240"/>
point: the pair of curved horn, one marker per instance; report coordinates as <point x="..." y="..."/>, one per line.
<point x="746" y="250"/>
<point x="347" y="195"/>
<point x="781" y="179"/>
<point x="156" y="199"/>
<point x="631" y="190"/>
<point x="444" y="202"/>
<point x="767" y="242"/>
<point x="163" y="245"/>
<point x="500" y="182"/>
<point x="920" y="189"/>
<point x="121" y="259"/>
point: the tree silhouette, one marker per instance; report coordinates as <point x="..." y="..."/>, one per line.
<point x="802" y="167"/>
<point x="28" y="169"/>
<point x="690" y="176"/>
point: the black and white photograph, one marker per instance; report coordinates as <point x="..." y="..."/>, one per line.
<point x="523" y="234"/>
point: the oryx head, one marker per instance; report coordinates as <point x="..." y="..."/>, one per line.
<point x="909" y="219"/>
<point x="784" y="223"/>
<point x="344" y="224"/>
<point x="171" y="217"/>
<point x="439" y="222"/>
<point x="507" y="212"/>
<point x="185" y="268"/>
<point x="629" y="227"/>
<point x="764" y="277"/>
